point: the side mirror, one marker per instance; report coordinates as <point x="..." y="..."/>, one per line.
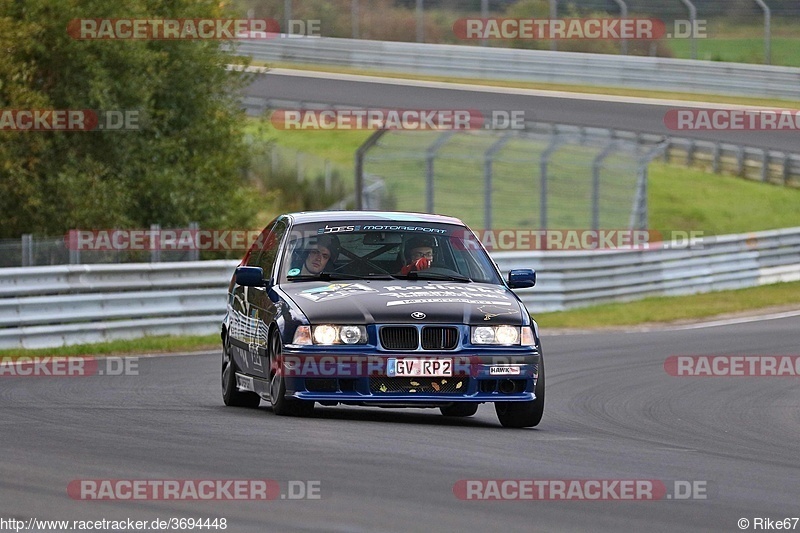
<point x="522" y="278"/>
<point x="250" y="276"/>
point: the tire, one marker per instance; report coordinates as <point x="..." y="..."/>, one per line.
<point x="524" y="414"/>
<point x="281" y="405"/>
<point x="460" y="409"/>
<point x="231" y="394"/>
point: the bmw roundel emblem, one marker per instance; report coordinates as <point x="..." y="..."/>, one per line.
<point x="417" y="315"/>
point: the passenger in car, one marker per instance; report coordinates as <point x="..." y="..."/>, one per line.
<point x="418" y="254"/>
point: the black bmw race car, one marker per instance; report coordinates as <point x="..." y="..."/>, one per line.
<point x="379" y="309"/>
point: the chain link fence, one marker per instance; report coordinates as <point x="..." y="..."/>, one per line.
<point x="305" y="180"/>
<point x="539" y="178"/>
<point x="29" y="250"/>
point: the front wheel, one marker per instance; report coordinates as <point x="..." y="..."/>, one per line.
<point x="231" y="394"/>
<point x="524" y="414"/>
<point x="281" y="405"/>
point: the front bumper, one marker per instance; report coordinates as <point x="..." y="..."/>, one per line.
<point x="363" y="379"/>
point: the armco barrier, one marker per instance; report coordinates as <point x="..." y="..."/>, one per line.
<point x="75" y="304"/>
<point x="667" y="74"/>
<point x="578" y="278"/>
<point x="70" y="304"/>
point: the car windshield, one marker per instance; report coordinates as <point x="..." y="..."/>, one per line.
<point x="370" y="250"/>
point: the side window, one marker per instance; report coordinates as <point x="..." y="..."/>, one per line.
<point x="255" y="248"/>
<point x="269" y="249"/>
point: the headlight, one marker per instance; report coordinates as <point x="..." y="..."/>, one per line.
<point x="505" y="335"/>
<point x="324" y="334"/>
<point x="352" y="334"/>
<point x="327" y="334"/>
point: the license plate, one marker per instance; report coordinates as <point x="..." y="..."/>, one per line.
<point x="432" y="368"/>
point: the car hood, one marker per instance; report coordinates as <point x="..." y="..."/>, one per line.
<point x="395" y="301"/>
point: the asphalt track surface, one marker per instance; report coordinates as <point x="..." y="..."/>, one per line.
<point x="612" y="412"/>
<point x="567" y="109"/>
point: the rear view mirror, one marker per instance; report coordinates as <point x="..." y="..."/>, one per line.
<point x="250" y="276"/>
<point x="522" y="278"/>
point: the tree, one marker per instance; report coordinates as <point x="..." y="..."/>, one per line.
<point x="186" y="161"/>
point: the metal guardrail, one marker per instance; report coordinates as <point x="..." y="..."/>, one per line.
<point x="578" y="278"/>
<point x="679" y="75"/>
<point x="43" y="307"/>
<point x="70" y="304"/>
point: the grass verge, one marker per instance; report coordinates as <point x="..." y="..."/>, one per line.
<point x="160" y="344"/>
<point x="665" y="309"/>
<point x="679" y="198"/>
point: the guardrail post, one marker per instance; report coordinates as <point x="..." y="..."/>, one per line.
<point x="194" y="252"/>
<point x="690" y="153"/>
<point x="155" y="244"/>
<point x="715" y="158"/>
<point x="354" y="18"/>
<point x="360" y="153"/>
<point x="488" y="158"/>
<point x="693" y="22"/>
<point x="430" y="155"/>
<point x="639" y="214"/>
<point x="287" y="15"/>
<point x="420" y="15"/>
<point x="596" y="164"/>
<point x="785" y="167"/>
<point x="27" y="250"/>
<point x="740" y="161"/>
<point x="767" y="31"/>
<point x="623" y="8"/>
<point x="764" y="165"/>
<point x="484" y="15"/>
<point x="74" y="251"/>
<point x="117" y="252"/>
<point x="555" y="142"/>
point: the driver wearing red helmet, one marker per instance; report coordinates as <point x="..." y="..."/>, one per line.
<point x="418" y="254"/>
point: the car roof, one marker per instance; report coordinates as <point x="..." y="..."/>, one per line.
<point x="371" y="216"/>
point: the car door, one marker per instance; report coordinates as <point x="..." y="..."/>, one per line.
<point x="259" y="308"/>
